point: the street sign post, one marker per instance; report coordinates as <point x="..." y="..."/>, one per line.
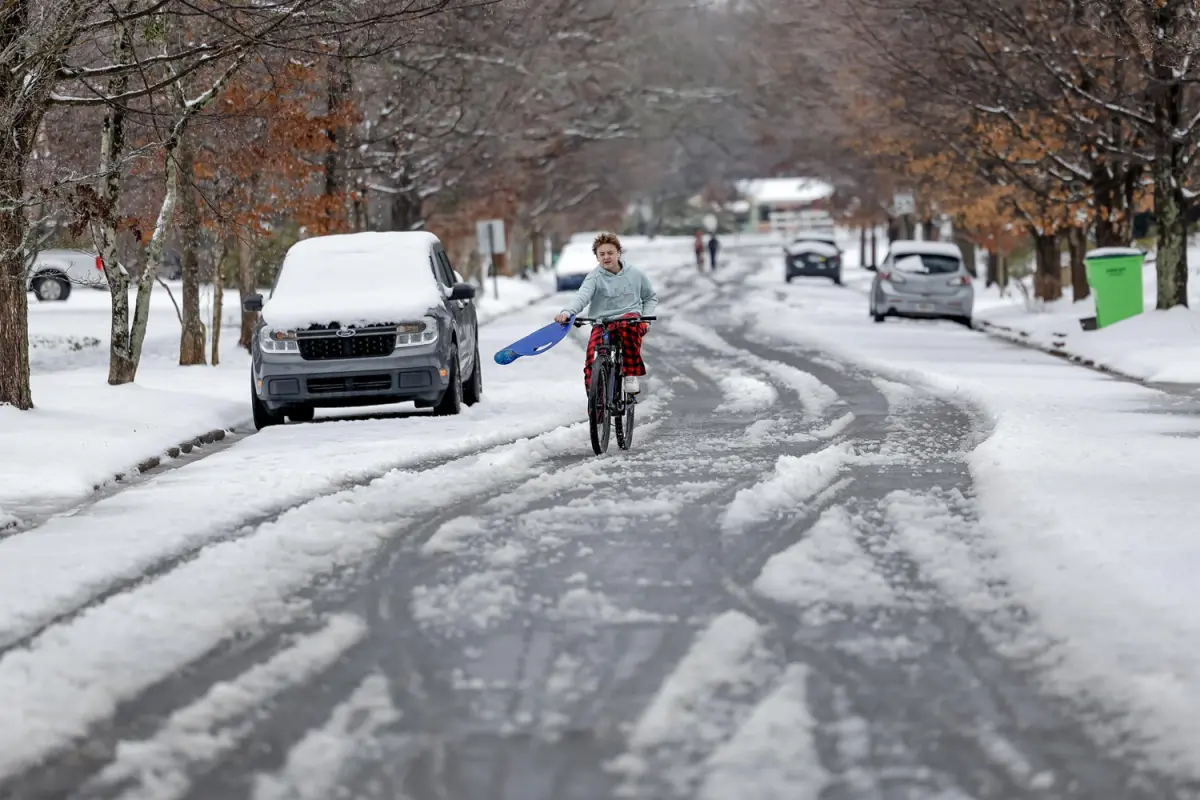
<point x="903" y="204"/>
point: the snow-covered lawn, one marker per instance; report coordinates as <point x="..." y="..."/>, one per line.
<point x="1159" y="346"/>
<point x="1083" y="484"/>
<point x="84" y="432"/>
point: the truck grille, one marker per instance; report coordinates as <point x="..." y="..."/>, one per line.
<point x="352" y="383"/>
<point x="362" y="345"/>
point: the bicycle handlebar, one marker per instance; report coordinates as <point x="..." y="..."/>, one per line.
<point x="579" y="322"/>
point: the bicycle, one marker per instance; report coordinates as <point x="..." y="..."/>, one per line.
<point x="606" y="403"/>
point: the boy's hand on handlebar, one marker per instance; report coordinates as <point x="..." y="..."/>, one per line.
<point x="563" y="318"/>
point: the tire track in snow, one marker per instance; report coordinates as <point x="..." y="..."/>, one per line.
<point x="43" y="615"/>
<point x="701" y="701"/>
<point x="257" y="574"/>
<point x="869" y="738"/>
<point x="198" y="736"/>
<point x="564" y="440"/>
<point x="325" y="758"/>
<point x="936" y="631"/>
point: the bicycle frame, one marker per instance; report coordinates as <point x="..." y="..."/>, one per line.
<point x="609" y="357"/>
<point x="610" y="352"/>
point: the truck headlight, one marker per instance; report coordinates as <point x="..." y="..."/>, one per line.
<point x="278" y="341"/>
<point x="412" y="334"/>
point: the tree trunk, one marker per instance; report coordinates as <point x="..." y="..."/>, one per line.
<point x="1173" y="23"/>
<point x="126" y="370"/>
<point x="929" y="230"/>
<point x="193" y="336"/>
<point x="362" y="217"/>
<point x="968" y="251"/>
<point x="862" y="246"/>
<point x="1047" y="280"/>
<point x="518" y="240"/>
<point x="990" y="264"/>
<point x="1132" y="182"/>
<point x="405" y="210"/>
<point x="1170" y="209"/>
<point x="14" y="302"/>
<point x="22" y="105"/>
<point x="104" y="225"/>
<point x="218" y="303"/>
<point x="340" y="83"/>
<point x="1107" y="199"/>
<point x="1077" y="247"/>
<point x="874" y="247"/>
<point x="539" y="249"/>
<point x="246" y="288"/>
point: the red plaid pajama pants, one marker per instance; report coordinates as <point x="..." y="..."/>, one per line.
<point x="630" y="337"/>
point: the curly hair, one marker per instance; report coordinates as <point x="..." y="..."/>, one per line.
<point x="606" y="238"/>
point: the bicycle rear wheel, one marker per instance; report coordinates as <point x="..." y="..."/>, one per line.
<point x="599" y="420"/>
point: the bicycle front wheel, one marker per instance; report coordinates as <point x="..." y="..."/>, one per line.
<point x="599" y="419"/>
<point x="625" y="425"/>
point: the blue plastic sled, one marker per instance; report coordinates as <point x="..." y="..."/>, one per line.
<point x="535" y="343"/>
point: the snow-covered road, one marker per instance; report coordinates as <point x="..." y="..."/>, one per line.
<point x="776" y="594"/>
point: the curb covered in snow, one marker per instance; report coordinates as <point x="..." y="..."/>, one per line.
<point x="1021" y="338"/>
<point x="150" y="464"/>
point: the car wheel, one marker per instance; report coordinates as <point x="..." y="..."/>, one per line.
<point x="51" y="288"/>
<point x="302" y="414"/>
<point x="879" y="317"/>
<point x="787" y="279"/>
<point x="837" y="280"/>
<point x="263" y="416"/>
<point x="452" y="398"/>
<point x="964" y="321"/>
<point x="473" y="391"/>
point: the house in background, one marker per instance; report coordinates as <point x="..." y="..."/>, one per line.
<point x="770" y="204"/>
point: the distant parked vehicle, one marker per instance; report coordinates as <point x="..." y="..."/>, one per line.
<point x="813" y="255"/>
<point x="53" y="272"/>
<point x="324" y="342"/>
<point x="819" y="235"/>
<point x="923" y="280"/>
<point x="574" y="263"/>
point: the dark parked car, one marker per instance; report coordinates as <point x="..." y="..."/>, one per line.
<point x="813" y="255"/>
<point x="364" y="319"/>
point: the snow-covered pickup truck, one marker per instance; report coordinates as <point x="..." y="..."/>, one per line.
<point x="54" y="272"/>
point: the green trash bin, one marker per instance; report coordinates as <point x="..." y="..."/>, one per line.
<point x="1115" y="275"/>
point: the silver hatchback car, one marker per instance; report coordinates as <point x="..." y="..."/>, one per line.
<point x="923" y="280"/>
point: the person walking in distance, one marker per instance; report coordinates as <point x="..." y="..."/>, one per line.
<point x="699" y="243"/>
<point x="713" y="246"/>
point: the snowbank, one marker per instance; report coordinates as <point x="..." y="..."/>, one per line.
<point x="1157" y="346"/>
<point x="514" y="293"/>
<point x="82" y="432"/>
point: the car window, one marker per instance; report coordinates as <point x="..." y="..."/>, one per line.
<point x="436" y="266"/>
<point x="927" y="264"/>
<point x="447" y="269"/>
<point x="439" y="269"/>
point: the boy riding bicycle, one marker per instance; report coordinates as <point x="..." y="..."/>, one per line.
<point x="614" y="290"/>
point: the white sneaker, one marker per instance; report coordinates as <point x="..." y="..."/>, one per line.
<point x="631" y="384"/>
